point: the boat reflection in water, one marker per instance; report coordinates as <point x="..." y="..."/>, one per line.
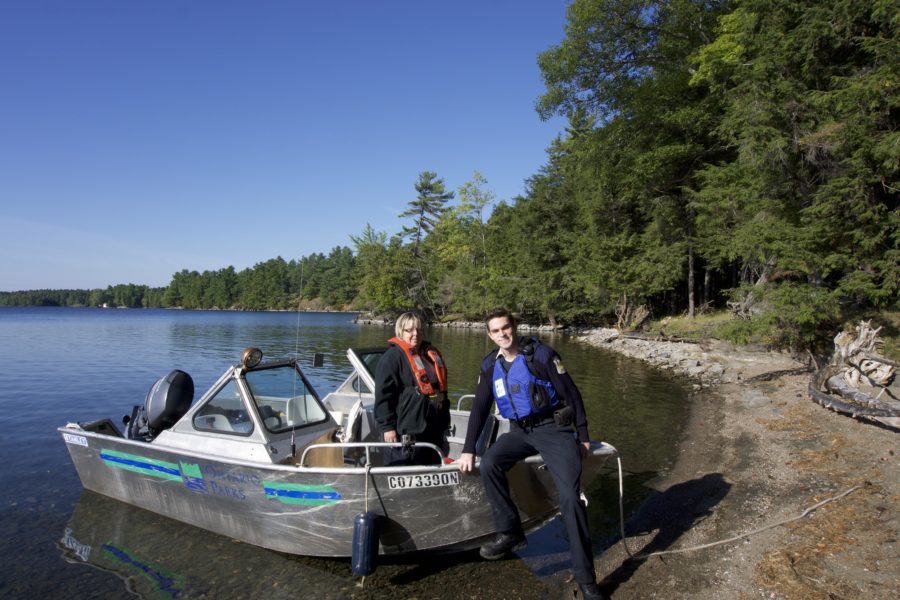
<point x="160" y="558"/>
<point x="157" y="557"/>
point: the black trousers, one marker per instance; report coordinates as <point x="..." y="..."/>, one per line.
<point x="418" y="456"/>
<point x="559" y="449"/>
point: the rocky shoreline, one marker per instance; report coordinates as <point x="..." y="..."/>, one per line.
<point x="708" y="362"/>
<point x="757" y="451"/>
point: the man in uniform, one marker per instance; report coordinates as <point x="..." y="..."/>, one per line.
<point x="532" y="389"/>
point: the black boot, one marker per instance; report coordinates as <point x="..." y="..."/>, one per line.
<point x="591" y="591"/>
<point x="503" y="544"/>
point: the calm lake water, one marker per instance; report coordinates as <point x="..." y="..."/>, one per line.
<point x="63" y="364"/>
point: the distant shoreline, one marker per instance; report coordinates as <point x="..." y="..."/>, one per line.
<point x="179" y="308"/>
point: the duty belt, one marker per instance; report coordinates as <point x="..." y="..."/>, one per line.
<point x="532" y="421"/>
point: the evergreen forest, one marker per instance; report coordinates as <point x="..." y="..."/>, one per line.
<point x="736" y="155"/>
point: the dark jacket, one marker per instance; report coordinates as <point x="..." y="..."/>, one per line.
<point x="546" y="365"/>
<point x="399" y="405"/>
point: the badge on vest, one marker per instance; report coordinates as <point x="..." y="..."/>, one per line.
<point x="499" y="388"/>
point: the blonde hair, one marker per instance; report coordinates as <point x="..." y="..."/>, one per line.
<point x="405" y="320"/>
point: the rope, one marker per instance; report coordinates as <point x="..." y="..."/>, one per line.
<point x="720" y="542"/>
<point x="362" y="582"/>
<point x="368" y="466"/>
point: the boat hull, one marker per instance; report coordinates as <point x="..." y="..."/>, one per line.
<point x="302" y="510"/>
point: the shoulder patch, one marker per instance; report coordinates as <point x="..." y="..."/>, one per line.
<point x="560" y="368"/>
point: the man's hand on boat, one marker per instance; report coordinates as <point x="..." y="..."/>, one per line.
<point x="466" y="462"/>
<point x="391" y="437"/>
<point x="585" y="450"/>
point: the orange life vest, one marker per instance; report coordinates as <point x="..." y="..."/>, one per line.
<point x="418" y="366"/>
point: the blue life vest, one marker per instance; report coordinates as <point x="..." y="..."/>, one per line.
<point x="519" y="393"/>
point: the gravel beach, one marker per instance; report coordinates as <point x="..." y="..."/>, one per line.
<point x="758" y="452"/>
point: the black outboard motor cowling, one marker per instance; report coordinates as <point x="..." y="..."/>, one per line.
<point x="167" y="401"/>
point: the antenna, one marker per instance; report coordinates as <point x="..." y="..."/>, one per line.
<point x="297" y="349"/>
<point x="299" y="304"/>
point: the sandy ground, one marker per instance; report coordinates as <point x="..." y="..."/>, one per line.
<point x="756" y="453"/>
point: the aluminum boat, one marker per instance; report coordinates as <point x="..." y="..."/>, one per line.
<point x="262" y="458"/>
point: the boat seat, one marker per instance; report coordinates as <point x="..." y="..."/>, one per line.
<point x="216" y="422"/>
<point x="487" y="437"/>
<point x="351" y="429"/>
<point x="322" y="457"/>
<point x="271" y="419"/>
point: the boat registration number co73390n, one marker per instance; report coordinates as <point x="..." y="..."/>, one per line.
<point x="423" y="480"/>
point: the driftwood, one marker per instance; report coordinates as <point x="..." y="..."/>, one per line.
<point x="839" y="386"/>
<point x="837" y="404"/>
<point x="857" y="381"/>
<point x="776" y="374"/>
<point x="660" y="337"/>
<point x="847" y="345"/>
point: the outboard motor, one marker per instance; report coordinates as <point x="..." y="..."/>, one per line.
<point x="167" y="401"/>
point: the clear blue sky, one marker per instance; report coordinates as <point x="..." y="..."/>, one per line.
<point x="139" y="138"/>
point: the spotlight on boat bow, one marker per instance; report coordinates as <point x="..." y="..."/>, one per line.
<point x="250" y="357"/>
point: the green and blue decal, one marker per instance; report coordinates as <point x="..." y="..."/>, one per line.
<point x="306" y="495"/>
<point x="193" y="478"/>
<point x="141" y="464"/>
<point x="191" y="475"/>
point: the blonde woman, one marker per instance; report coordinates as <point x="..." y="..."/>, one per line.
<point x="411" y="394"/>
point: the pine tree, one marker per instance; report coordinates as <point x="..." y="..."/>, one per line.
<point x="426" y="209"/>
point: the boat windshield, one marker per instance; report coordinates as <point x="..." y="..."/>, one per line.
<point x="370" y="359"/>
<point x="366" y="360"/>
<point x="284" y="399"/>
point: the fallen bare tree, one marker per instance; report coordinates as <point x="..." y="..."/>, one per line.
<point x="858" y="380"/>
